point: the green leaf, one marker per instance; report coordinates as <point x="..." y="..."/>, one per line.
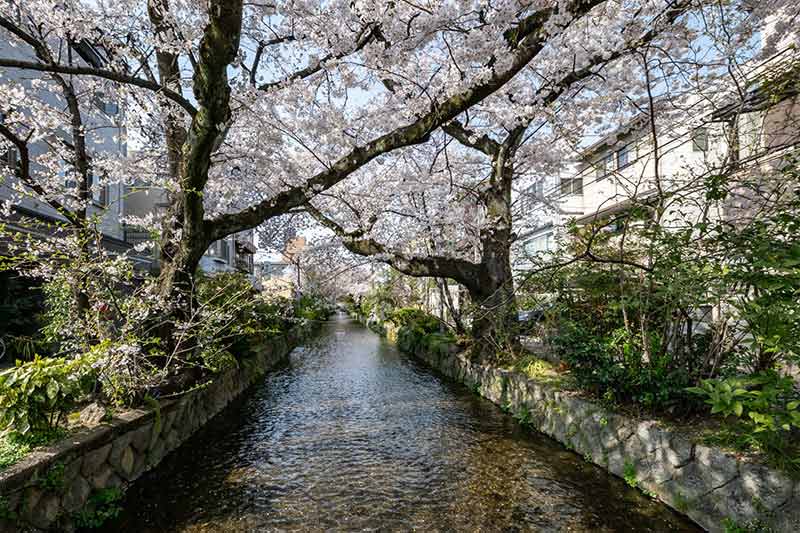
<point x="52" y="389"/>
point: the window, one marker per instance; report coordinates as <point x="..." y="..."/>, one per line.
<point x="107" y="107"/>
<point x="220" y="250"/>
<point x="10" y="158"/>
<point x="572" y="186"/>
<point x="99" y="192"/>
<point x="110" y="108"/>
<point x="624" y="156"/>
<point x="538" y="190"/>
<point x="542" y="243"/>
<point x="603" y="167"/>
<point x="700" y="140"/>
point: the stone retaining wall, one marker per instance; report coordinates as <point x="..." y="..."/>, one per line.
<point x="709" y="485"/>
<point x="49" y="488"/>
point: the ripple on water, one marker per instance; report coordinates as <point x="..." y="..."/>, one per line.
<point x="353" y="436"/>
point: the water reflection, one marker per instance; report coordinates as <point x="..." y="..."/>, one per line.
<point x="353" y="436"/>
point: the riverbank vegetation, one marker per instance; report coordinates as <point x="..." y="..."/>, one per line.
<point x="656" y="144"/>
<point x="120" y="363"/>
<point x="664" y="315"/>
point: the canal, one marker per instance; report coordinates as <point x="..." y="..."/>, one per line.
<point x="352" y="435"/>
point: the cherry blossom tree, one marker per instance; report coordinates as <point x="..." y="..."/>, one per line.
<point x="241" y="92"/>
<point x="448" y="209"/>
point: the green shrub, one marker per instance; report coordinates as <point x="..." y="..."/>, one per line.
<point x="14" y="446"/>
<point x="420" y="331"/>
<point x="614" y="369"/>
<point x="766" y="410"/>
<point x="35" y="396"/>
<point x="235" y="317"/>
<point x="409" y="316"/>
<point x="102" y="506"/>
<point x="312" y="307"/>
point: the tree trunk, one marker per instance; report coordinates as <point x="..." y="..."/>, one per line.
<point x="495" y="325"/>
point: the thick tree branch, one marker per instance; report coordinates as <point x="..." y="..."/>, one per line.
<point x="527" y="39"/>
<point x="470" y="139"/>
<point x="435" y="266"/>
<point x="367" y="35"/>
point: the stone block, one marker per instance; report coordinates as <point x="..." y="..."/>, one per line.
<point x="124" y="465"/>
<point x="140" y="438"/>
<point x="94" y="460"/>
<point x="753" y="494"/>
<point x="172" y="440"/>
<point x="30" y="500"/>
<point x="716" y="466"/>
<point x="76" y="494"/>
<point x="100" y="477"/>
<point x="118" y="447"/>
<point x="46" y="511"/>
<point x="168" y="419"/>
<point x="787" y="518"/>
<point x="679" y="451"/>
<point x="156" y="453"/>
<point x="72" y="469"/>
<point x="93" y="415"/>
<point x="139" y="465"/>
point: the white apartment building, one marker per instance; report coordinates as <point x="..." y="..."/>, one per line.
<point x="627" y="166"/>
<point x="105" y="134"/>
<point x="112" y="203"/>
<point x="231" y="254"/>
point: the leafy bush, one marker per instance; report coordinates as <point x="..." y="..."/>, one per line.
<point x="419" y="330"/>
<point x="766" y="410"/>
<point x="35" y="396"/>
<point x="14" y="446"/>
<point x="409" y="316"/>
<point x="102" y="506"/>
<point x="233" y="316"/>
<point x="613" y="368"/>
<point x="312" y="307"/>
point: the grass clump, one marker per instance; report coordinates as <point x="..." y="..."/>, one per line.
<point x="13" y="446"/>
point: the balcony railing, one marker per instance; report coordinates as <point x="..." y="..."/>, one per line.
<point x="244" y="263"/>
<point x="134" y="236"/>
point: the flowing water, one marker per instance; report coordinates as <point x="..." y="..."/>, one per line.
<point x="352" y="435"/>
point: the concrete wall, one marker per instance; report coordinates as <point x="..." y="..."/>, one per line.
<point x="113" y="455"/>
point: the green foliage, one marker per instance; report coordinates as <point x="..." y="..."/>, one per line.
<point x="35" y="396"/>
<point x="629" y="474"/>
<point x="234" y="317"/>
<point x="523" y="415"/>
<point x="766" y="410"/>
<point x="14" y="446"/>
<point x="11" y="451"/>
<point x="539" y="369"/>
<point x="21" y="302"/>
<point x="6" y="513"/>
<point x="407" y="316"/>
<point x="102" y="506"/>
<point x="613" y="367"/>
<point x="312" y="307"/>
<point x="53" y="479"/>
<point x="666" y="299"/>
<point x="419" y="331"/>
<point x="764" y="266"/>
<point x="756" y="526"/>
